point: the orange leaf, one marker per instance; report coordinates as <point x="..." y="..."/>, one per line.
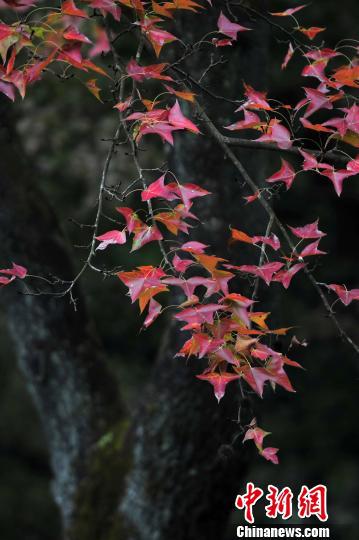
<point x="188" y="96"/>
<point x="149" y="293"/>
<point x="69" y="8"/>
<point x="94" y="89"/>
<point x="161" y="10"/>
<point x="241" y="236"/>
<point x="348" y="76"/>
<point x="258" y="318"/>
<point x="280" y="331"/>
<point x="315" y="127"/>
<point x="209" y="262"/>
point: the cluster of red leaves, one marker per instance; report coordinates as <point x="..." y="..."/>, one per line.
<point x="345" y="128"/>
<point x="223" y="326"/>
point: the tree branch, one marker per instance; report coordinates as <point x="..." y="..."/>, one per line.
<point x="332" y="155"/>
<point x="216" y="135"/>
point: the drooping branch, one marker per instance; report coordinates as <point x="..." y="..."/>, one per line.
<point x="331" y="156"/>
<point x="217" y="136"/>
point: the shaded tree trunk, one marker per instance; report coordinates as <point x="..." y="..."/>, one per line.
<point x="188" y="458"/>
<point x="62" y="362"/>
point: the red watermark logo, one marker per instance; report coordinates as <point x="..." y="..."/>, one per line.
<point x="311" y="502"/>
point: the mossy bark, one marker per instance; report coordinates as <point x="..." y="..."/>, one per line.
<point x="57" y="349"/>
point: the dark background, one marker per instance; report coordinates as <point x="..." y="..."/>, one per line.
<point x="316" y="429"/>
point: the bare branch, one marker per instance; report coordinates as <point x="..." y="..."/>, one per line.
<point x="332" y="155"/>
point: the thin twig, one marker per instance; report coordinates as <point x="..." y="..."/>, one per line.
<point x="261" y="260"/>
<point x="131" y="141"/>
<point x="216" y="135"/>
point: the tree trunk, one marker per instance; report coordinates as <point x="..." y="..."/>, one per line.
<point x="188" y="462"/>
<point x="61" y="360"/>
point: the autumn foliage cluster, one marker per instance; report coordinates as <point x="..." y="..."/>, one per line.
<point x="223" y="326"/>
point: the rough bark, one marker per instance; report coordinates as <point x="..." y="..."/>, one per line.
<point x="57" y="352"/>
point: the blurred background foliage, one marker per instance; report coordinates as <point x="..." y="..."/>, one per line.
<point x="63" y="129"/>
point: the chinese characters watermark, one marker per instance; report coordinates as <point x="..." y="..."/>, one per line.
<point x="310" y="502"/>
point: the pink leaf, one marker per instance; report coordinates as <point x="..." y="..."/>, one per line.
<point x="107" y="6"/>
<point x="317" y="100"/>
<point x="255" y="99"/>
<point x="181" y="265"/>
<point x="16" y="270"/>
<point x="140" y="73"/>
<point x="102" y="45"/>
<point x="72" y="34"/>
<point x="337" y="178"/>
<point x="8" y="90"/>
<point x="219" y="382"/>
<point x="69" y="8"/>
<point x="188" y="191"/>
<point x="285" y="174"/>
<point x="158" y="189"/>
<point x="285" y="276"/>
<point x="154" y="310"/>
<point x="288" y="12"/>
<point x="198" y="315"/>
<point x="352" y="118"/>
<point x="312" y="249"/>
<point x="315" y="127"/>
<point x="310" y="161"/>
<point x="162" y="129"/>
<point x="5" y="31"/>
<point x="272" y="241"/>
<point x="308" y="231"/>
<point x="256" y="434"/>
<point x="265" y="271"/>
<point x="288" y="56"/>
<point x="111" y="237"/>
<point x="316" y="70"/>
<point x="141" y="279"/>
<point x="179" y="121"/>
<point x="251" y="120"/>
<point x="278" y="134"/>
<point x="226" y="27"/>
<point x="353" y="165"/>
<point x="344" y="294"/>
<point x="5" y="280"/>
<point x="144" y="236"/>
<point x="194" y="247"/>
<point x="270" y="454"/>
